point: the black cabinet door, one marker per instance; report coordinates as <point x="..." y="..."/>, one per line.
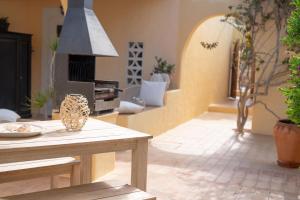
<point x="8" y="74"/>
<point x="15" y="72"/>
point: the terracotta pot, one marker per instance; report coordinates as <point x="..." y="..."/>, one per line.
<point x="287" y="138"/>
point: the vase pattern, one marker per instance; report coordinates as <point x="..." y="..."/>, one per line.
<point x="74" y="112"/>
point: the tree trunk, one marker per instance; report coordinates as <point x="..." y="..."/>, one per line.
<point x="243" y="112"/>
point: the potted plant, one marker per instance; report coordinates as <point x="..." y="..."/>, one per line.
<point x="40" y="102"/>
<point x="4" y="24"/>
<point x="162" y="71"/>
<point x="45" y="99"/>
<point x="287" y="132"/>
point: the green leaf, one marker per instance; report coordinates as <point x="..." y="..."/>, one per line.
<point x="41" y="98"/>
<point x="54" y="45"/>
<point x="162" y="66"/>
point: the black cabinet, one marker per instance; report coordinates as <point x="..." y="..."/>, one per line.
<point x="15" y="72"/>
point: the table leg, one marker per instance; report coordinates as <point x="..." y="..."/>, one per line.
<point x="75" y="175"/>
<point x="139" y="165"/>
<point x="85" y="169"/>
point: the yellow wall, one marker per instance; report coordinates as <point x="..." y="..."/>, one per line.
<point x="194" y="12"/>
<point x="26" y="17"/>
<point x="205" y="73"/>
<point x="155" y="121"/>
<point x="153" y="22"/>
<point x="204" y="80"/>
<point x="264" y="121"/>
<point x="166" y="27"/>
<point x="136" y="25"/>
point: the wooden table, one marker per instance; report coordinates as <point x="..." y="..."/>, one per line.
<point x="96" y="137"/>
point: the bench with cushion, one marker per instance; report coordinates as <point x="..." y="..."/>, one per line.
<point x="41" y="168"/>
<point x="156" y="120"/>
<point x="93" y="191"/>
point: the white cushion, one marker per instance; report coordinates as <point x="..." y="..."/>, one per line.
<point x="138" y="101"/>
<point x="8" y="116"/>
<point x="153" y="93"/>
<point x="129" y="108"/>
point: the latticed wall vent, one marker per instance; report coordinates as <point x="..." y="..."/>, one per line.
<point x="135" y="63"/>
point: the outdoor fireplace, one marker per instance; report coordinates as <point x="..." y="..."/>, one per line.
<point x="81" y="40"/>
<point x="79" y="78"/>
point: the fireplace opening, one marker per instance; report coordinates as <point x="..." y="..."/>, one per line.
<point x="82" y="68"/>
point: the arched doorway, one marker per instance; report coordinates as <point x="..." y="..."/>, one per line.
<point x="206" y="75"/>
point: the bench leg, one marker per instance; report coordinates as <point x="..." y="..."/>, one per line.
<point x="139" y="165"/>
<point x="54" y="182"/>
<point x="75" y="175"/>
<point x="85" y="169"/>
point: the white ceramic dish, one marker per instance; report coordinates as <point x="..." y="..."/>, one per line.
<point x="19" y="130"/>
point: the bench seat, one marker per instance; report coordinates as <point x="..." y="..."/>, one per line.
<point x="39" y="168"/>
<point x="93" y="191"/>
<point x="156" y="120"/>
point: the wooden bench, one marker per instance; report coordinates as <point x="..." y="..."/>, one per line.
<point x="93" y="191"/>
<point x="41" y="168"/>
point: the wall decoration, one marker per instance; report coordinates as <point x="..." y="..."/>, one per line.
<point x="135" y="63"/>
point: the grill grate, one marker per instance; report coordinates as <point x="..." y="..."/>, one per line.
<point x="82" y="68"/>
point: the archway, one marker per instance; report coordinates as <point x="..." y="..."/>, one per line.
<point x="205" y="74"/>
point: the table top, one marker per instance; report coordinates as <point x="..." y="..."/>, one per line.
<point x="55" y="134"/>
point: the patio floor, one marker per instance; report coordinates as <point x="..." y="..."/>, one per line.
<point x="204" y="159"/>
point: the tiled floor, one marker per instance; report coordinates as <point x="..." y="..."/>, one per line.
<point x="205" y="159"/>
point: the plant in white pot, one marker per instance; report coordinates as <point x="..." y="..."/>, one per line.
<point x="162" y="71"/>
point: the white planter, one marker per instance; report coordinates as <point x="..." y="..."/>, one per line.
<point x="161" y="77"/>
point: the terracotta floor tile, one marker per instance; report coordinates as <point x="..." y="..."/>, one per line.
<point x="214" y="163"/>
<point x="204" y="159"/>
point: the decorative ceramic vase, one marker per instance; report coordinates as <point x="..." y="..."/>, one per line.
<point x="74" y="112"/>
<point x="161" y="77"/>
<point x="287" y="138"/>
